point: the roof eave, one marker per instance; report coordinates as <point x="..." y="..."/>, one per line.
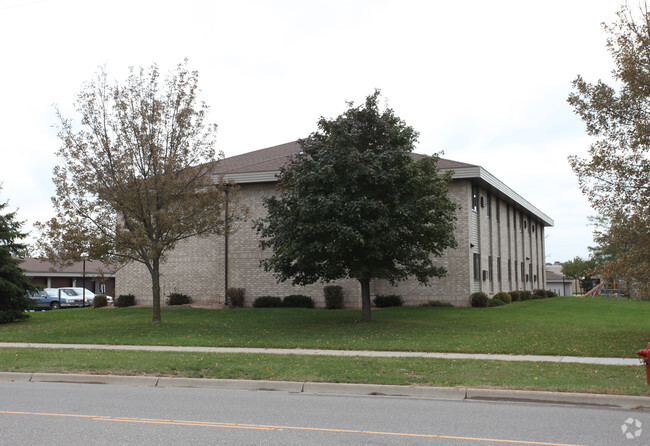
<point x="477" y="172"/>
<point x="252" y="177"/>
<point x="66" y="274"/>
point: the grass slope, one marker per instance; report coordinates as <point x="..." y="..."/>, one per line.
<point x="398" y="371"/>
<point x="559" y="326"/>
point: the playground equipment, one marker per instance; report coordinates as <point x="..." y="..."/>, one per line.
<point x="594" y="290"/>
<point x="609" y="288"/>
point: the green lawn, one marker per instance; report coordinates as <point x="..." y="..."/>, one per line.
<point x="548" y="376"/>
<point x="558" y="326"/>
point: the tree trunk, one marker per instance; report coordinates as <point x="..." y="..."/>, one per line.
<point x="155" y="288"/>
<point x="365" y="300"/>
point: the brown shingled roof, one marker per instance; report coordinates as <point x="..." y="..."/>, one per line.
<point x="34" y="265"/>
<point x="550" y="275"/>
<point x="272" y="159"/>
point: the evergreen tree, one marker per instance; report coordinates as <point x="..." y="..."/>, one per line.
<point x="14" y="285"/>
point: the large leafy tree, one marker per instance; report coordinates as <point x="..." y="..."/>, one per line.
<point x="134" y="177"/>
<point x="615" y="176"/>
<point x="579" y="269"/>
<point x="355" y="204"/>
<point x="14" y="285"/>
<point x="621" y="253"/>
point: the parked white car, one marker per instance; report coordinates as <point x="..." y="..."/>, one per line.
<point x="64" y="299"/>
<point x="79" y="292"/>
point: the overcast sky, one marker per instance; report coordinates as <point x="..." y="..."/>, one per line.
<point x="485" y="82"/>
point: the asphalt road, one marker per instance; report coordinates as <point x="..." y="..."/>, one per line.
<point x="83" y="414"/>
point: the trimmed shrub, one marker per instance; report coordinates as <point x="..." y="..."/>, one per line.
<point x="516" y="296"/>
<point x="503" y="297"/>
<point x="298" y="301"/>
<point x="236" y="297"/>
<point x="495" y="302"/>
<point x="333" y="297"/>
<point x="437" y="303"/>
<point x="267" y="302"/>
<point x="526" y="295"/>
<point x="479" y="299"/>
<point x="550" y="293"/>
<point x="100" y="300"/>
<point x="539" y="294"/>
<point x="178" y="299"/>
<point x="389" y="300"/>
<point x="125" y="300"/>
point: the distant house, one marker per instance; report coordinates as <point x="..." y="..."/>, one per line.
<point x="500" y="238"/>
<point x="99" y="277"/>
<point x="559" y="284"/>
<point x="556" y="267"/>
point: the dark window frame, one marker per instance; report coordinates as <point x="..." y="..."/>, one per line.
<point x="475" y="197"/>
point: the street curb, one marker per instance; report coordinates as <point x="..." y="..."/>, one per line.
<point x="588" y="399"/>
<point x="149" y="381"/>
<point x="15" y="377"/>
<point x="231" y="384"/>
<point x="444" y="393"/>
<point x="423" y="392"/>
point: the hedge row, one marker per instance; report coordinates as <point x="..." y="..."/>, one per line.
<point x="480" y="299"/>
<point x="292" y="301"/>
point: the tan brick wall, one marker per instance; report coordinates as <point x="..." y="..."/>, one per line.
<point x="502" y="238"/>
<point x="455" y="286"/>
<point x="196" y="267"/>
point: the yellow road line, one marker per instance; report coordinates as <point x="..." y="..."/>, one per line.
<point x="275" y="428"/>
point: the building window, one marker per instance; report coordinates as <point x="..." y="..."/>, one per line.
<point x="474" y="198"/>
<point x="490" y="269"/>
<point x="507" y="215"/>
<point x="499" y="268"/>
<point x="477" y="267"/>
<point x="496" y="203"/>
<point x="489" y="206"/>
<point x="530" y="271"/>
<point x="509" y="270"/>
<point x="523" y="270"/>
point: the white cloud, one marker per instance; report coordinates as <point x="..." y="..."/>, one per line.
<point x="485" y="81"/>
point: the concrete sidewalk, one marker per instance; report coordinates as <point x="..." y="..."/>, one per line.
<point x="319" y="352"/>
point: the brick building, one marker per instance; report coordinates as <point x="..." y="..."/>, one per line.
<point x="500" y="240"/>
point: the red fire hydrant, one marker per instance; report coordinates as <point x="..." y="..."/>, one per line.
<point x="645" y="353"/>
